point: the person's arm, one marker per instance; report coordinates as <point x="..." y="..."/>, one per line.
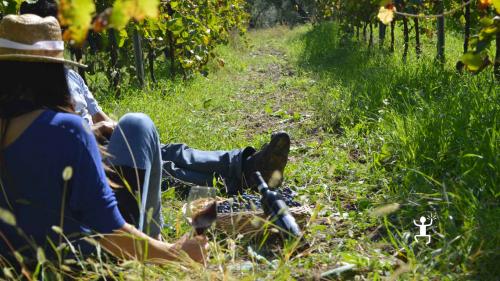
<point x="130" y="243"/>
<point x="100" y="116"/>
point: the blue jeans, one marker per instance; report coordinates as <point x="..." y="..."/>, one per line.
<point x="135" y="143"/>
<point x="200" y="167"/>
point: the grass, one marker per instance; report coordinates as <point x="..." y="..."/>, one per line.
<point x="435" y="138"/>
<point x="375" y="144"/>
<point x="368" y="130"/>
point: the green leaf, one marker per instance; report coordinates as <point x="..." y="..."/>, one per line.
<point x="496" y="4"/>
<point x="77" y="15"/>
<point x="175" y="26"/>
<point x="124" y="10"/>
<point x="485" y="21"/>
<point x="473" y="61"/>
<point x="123" y="36"/>
<point x="472" y="155"/>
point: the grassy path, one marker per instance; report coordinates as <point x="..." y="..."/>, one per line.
<point x="301" y="81"/>
<point x="262" y="89"/>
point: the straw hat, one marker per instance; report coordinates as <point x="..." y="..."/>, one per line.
<point x="31" y="38"/>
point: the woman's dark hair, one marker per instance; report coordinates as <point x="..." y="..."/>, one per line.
<point x="32" y="85"/>
<point x="42" y="84"/>
<point x="42" y="8"/>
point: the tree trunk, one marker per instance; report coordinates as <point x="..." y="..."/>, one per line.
<point x="467" y="27"/>
<point x="406" y="38"/>
<point x="418" y="47"/>
<point x="440" y="33"/>
<point x="114" y="71"/>
<point x="139" y="58"/>
<point x="381" y="34"/>
<point x="357" y="33"/>
<point x="393" y="25"/>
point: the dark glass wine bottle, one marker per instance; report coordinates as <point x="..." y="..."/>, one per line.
<point x="275" y="207"/>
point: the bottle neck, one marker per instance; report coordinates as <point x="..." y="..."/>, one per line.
<point x="262" y="187"/>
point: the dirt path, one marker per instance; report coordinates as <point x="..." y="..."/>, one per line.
<point x="272" y="102"/>
<point x="325" y="168"/>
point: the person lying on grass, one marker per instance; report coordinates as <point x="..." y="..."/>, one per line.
<point x="139" y="159"/>
<point x="51" y="171"/>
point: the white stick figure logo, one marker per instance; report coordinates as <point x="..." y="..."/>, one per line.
<point x="423" y="229"/>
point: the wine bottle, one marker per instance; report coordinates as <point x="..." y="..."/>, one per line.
<point x="275" y="207"/>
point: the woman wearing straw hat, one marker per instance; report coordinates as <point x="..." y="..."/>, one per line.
<point x="52" y="179"/>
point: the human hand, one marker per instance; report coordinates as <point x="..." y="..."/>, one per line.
<point x="195" y="247"/>
<point x="104" y="128"/>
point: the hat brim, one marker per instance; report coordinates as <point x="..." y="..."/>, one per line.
<point x="35" y="58"/>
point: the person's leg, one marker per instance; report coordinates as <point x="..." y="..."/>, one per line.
<point x="134" y="149"/>
<point x="199" y="167"/>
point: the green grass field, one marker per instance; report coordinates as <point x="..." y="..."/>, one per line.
<point x="375" y="145"/>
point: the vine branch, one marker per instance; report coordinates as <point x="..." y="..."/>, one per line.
<point x="444" y="14"/>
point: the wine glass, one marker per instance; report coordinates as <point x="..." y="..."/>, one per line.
<point x="201" y="208"/>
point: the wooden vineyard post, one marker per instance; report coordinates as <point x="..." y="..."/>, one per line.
<point x="440" y="33"/>
<point x="364" y="32"/>
<point x="151" y="61"/>
<point x="381" y="34"/>
<point x="171" y="49"/>
<point x="496" y="66"/>
<point x="406" y="38"/>
<point x="418" y="48"/>
<point x="393" y="25"/>
<point x="467" y="27"/>
<point x="78" y="52"/>
<point x="370" y="42"/>
<point x="114" y="71"/>
<point x="139" y="59"/>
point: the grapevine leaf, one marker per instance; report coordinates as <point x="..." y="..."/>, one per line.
<point x="176" y="26"/>
<point x="485" y="21"/>
<point x="119" y="16"/>
<point x="124" y="10"/>
<point x="473" y="61"/>
<point x="123" y="37"/>
<point x="10" y="6"/>
<point x="77" y="15"/>
<point x="386" y="15"/>
<point x="496" y="4"/>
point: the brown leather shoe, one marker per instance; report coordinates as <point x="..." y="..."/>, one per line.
<point x="270" y="161"/>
